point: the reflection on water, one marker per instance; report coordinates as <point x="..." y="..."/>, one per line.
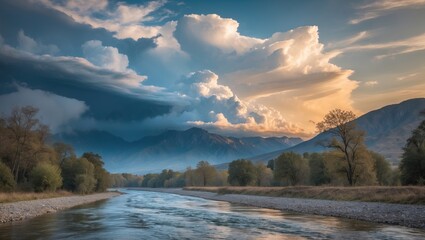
<point x="150" y="215"/>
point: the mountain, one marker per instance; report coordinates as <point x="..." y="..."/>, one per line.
<point x="171" y="149"/>
<point x="387" y="130"/>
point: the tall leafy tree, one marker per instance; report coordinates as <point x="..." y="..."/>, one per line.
<point x="206" y="172"/>
<point x="382" y="169"/>
<point x="412" y="165"/>
<point x="319" y="173"/>
<point x="242" y="172"/>
<point x="291" y="169"/>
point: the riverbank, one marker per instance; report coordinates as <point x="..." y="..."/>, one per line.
<point x="382" y="194"/>
<point x="27" y="196"/>
<point x="388" y="213"/>
<point x="16" y="211"/>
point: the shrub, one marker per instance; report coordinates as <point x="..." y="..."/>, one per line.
<point x="46" y="177"/>
<point x="7" y="182"/>
<point x="85" y="183"/>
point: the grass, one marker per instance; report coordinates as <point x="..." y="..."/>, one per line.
<point x="406" y="194"/>
<point x="24" y="196"/>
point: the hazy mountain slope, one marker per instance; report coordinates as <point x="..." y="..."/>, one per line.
<point x="387" y="130"/>
<point x="171" y="149"/>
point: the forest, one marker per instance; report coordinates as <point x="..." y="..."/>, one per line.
<point x="29" y="161"/>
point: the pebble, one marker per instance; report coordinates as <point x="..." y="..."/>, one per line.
<point x="17" y="211"/>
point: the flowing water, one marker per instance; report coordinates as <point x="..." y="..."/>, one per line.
<point x="151" y="215"/>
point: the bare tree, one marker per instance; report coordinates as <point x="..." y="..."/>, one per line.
<point x="21" y="122"/>
<point x="347" y="139"/>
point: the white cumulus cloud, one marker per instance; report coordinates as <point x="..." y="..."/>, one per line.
<point x="104" y="56"/>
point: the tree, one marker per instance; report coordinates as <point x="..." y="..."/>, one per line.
<point x="46" y="177"/>
<point x="78" y="175"/>
<point x="63" y="151"/>
<point x="291" y="169"/>
<point x="20" y="125"/>
<point x="7" y="183"/>
<point x="264" y="175"/>
<point x="100" y="174"/>
<point x="270" y="164"/>
<point x="206" y="172"/>
<point x="319" y="173"/>
<point x="241" y="172"/>
<point x="382" y="169"/>
<point x="348" y="140"/>
<point x="412" y="165"/>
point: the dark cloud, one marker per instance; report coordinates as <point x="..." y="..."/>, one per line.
<point x="73" y="78"/>
<point x="52" y="27"/>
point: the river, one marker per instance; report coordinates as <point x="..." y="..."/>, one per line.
<point x="152" y="215"/>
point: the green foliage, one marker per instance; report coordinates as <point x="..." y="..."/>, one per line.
<point x="412" y="165"/>
<point x="382" y="169"/>
<point x="85" y="183"/>
<point x="149" y="180"/>
<point x="46" y="177"/>
<point x="22" y="142"/>
<point x="242" y="173"/>
<point x="24" y="151"/>
<point x="270" y="164"/>
<point x="319" y="173"/>
<point x="78" y="176"/>
<point x="206" y="173"/>
<point x="126" y="180"/>
<point x="101" y="176"/>
<point x="7" y="182"/>
<point x="264" y="175"/>
<point x="291" y="169"/>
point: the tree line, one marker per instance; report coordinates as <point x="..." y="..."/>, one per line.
<point x="347" y="162"/>
<point x="29" y="163"/>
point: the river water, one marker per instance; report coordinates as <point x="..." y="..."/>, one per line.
<point x="151" y="215"/>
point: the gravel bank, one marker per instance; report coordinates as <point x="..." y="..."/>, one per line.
<point x="10" y="212"/>
<point x="396" y="214"/>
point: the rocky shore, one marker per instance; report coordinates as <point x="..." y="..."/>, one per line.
<point x="10" y="212"/>
<point x="388" y="213"/>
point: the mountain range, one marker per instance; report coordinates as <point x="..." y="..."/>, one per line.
<point x="171" y="149"/>
<point x="387" y="130"/>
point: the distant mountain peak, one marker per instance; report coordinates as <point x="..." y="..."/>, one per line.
<point x="196" y="130"/>
<point x="173" y="149"/>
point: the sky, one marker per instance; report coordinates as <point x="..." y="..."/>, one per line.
<point x="237" y="68"/>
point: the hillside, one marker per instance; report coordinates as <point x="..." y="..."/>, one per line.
<point x="387" y="130"/>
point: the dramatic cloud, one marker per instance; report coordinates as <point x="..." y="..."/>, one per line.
<point x="213" y="33"/>
<point x="140" y="73"/>
<point x="125" y="20"/>
<point x="28" y="44"/>
<point x="107" y="92"/>
<point x="379" y="8"/>
<point x="106" y="57"/>
<point x="215" y="107"/>
<point x="54" y="110"/>
<point x="290" y="71"/>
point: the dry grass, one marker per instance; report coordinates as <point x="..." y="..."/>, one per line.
<point x="24" y="196"/>
<point x="407" y="195"/>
